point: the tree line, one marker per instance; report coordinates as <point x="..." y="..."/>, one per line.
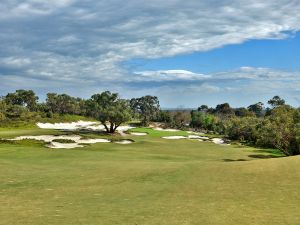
<point x="276" y="126"/>
<point x="106" y="107"/>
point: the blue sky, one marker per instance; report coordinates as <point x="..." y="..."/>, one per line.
<point x="283" y="54"/>
<point x="187" y="53"/>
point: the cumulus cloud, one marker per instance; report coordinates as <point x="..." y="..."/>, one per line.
<point x="86" y="42"/>
<point x="245" y="84"/>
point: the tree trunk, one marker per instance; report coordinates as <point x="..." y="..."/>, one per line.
<point x="111" y="130"/>
<point x="106" y="128"/>
<point x="116" y="126"/>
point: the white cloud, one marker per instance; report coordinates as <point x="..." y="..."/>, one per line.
<point x="242" y="73"/>
<point x="86" y="42"/>
<point x="267" y="74"/>
<point x="14" y="62"/>
<point x="168" y="75"/>
<point x="14" y="8"/>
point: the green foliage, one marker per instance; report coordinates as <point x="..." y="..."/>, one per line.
<point x="147" y="107"/>
<point x="3" y="108"/>
<point x="64" y="141"/>
<point x="224" y="110"/>
<point x="279" y="130"/>
<point x="202" y="120"/>
<point x="242" y="129"/>
<point x="276" y="127"/>
<point x="297" y="131"/>
<point x="180" y="119"/>
<point x="63" y="104"/>
<point x="107" y="107"/>
<point x="164" y="116"/>
<point x="16" y="111"/>
<point x="276" y="101"/>
<point x="203" y="108"/>
<point x="257" y="108"/>
<point x="26" y="98"/>
<point x="243" y="112"/>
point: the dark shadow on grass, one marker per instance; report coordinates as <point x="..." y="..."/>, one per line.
<point x="85" y="131"/>
<point x="235" y="160"/>
<point x="270" y="151"/>
<point x="263" y="156"/>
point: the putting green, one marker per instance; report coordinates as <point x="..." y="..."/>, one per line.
<point x="149" y="182"/>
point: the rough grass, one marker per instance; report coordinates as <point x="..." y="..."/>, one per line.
<point x="64" y="141"/>
<point x="30" y="122"/>
<point x="152" y="181"/>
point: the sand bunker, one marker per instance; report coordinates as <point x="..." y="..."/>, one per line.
<point x="57" y="145"/>
<point x="138" y="134"/>
<point x="217" y="141"/>
<point x="124" y="142"/>
<point x="189" y="137"/>
<point x="169" y="130"/>
<point x="93" y="141"/>
<point x="198" y="137"/>
<point x="195" y="133"/>
<point x="174" y="137"/>
<point x="66" y="126"/>
<point x="80" y="125"/>
<point x="51" y="139"/>
<point x="48" y="138"/>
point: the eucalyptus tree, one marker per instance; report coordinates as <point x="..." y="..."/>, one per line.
<point x="276" y="101"/>
<point x="109" y="109"/>
<point x="257" y="108"/>
<point x="147" y="107"/>
<point x="25" y="98"/>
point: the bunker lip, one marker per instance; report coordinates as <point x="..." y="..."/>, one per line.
<point x="174" y="137"/>
<point x="138" y="133"/>
<point x="198" y="137"/>
<point x="124" y="141"/>
<point x="57" y="145"/>
<point x="169" y="130"/>
<point x="51" y="143"/>
<point x="217" y="141"/>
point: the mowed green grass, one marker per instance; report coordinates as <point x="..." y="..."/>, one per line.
<point x="150" y="182"/>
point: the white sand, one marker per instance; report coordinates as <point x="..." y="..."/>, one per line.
<point x="174" y="137"/>
<point x="197" y="137"/>
<point x="66" y="126"/>
<point x="124" y="142"/>
<point x="95" y="126"/>
<point x="138" y="134"/>
<point x="93" y="141"/>
<point x="195" y="133"/>
<point x="217" y="141"/>
<point x="57" y="145"/>
<point x="124" y="128"/>
<point x="169" y="130"/>
<point x="48" y="138"/>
